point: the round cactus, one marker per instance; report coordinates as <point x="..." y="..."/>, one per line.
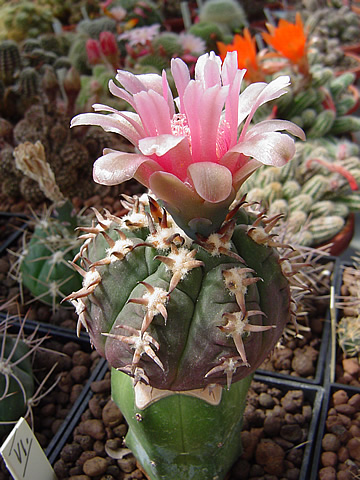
<point x="44" y="263"/>
<point x="16" y="381"/>
<point x="229" y="318"/>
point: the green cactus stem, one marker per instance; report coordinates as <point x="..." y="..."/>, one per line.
<point x="181" y="454"/>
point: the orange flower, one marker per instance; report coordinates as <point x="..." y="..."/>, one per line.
<point x="247" y="56"/>
<point x="289" y="39"/>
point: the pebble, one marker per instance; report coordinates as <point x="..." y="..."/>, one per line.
<point x="95" y="466"/>
<point x="353" y="447"/>
<point x="93" y="427"/>
<point x="111" y="414"/>
<point x="270" y="456"/>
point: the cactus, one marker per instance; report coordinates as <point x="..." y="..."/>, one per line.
<point x="348" y="327"/>
<point x="315" y="194"/>
<point x="17" y="384"/>
<point x="42" y="266"/>
<point x="23" y="19"/>
<point x="348" y="332"/>
<point x="44" y="269"/>
<point x="10" y="61"/>
<point x="228" y="15"/>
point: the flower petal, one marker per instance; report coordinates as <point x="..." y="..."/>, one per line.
<point x="275" y="125"/>
<point x="208" y="70"/>
<point x="175" y="150"/>
<point x="154" y="112"/>
<point x="139" y="83"/>
<point x="181" y="76"/>
<point x="115" y="123"/>
<point x="117" y="167"/>
<point x="269" y="148"/>
<point x="273" y="90"/>
<point x="211" y="181"/>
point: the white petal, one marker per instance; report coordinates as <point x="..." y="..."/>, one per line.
<point x="116" y="167"/>
<point x="273" y="126"/>
<point x="270" y="148"/>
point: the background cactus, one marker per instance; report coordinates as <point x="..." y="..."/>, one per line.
<point x="43" y="266"/>
<point x="348" y="326"/>
<point x="228" y="15"/>
<point x="17" y="384"/>
<point x="315" y="193"/>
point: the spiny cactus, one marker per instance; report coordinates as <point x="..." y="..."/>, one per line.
<point x="43" y="264"/>
<point x="315" y="193"/>
<point x="17" y="383"/>
<point x="10" y="61"/>
<point x="324" y="106"/>
<point x="19" y="20"/>
<point x="348" y="326"/>
<point x="188" y="292"/>
<point x="190" y="316"/>
<point x="348" y="332"/>
<point x="228" y="15"/>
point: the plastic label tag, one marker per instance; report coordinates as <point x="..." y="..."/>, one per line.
<point x="24" y="457"/>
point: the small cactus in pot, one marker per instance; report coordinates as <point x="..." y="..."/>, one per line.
<point x="43" y="264"/>
<point x="179" y="293"/>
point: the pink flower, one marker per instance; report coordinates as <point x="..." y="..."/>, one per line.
<point x="108" y="44"/>
<point x="93" y="51"/>
<point x="192" y="154"/>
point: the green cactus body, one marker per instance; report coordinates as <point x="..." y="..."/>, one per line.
<point x="180" y="316"/>
<point x="44" y="266"/>
<point x="348" y="331"/>
<point x="16" y="381"/>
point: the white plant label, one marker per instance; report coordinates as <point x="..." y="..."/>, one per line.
<point x="23" y="455"/>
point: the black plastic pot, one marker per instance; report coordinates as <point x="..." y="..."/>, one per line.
<point x="13" y="226"/>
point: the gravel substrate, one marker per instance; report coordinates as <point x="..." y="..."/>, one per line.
<point x="340" y="457"/>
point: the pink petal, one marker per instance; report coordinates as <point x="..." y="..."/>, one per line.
<point x="167" y="94"/>
<point x="117" y="167"/>
<point x="192" y="98"/>
<point x="139" y="83"/>
<point x="232" y="104"/>
<point x="271" y="91"/>
<point x="248" y="98"/>
<point x="120" y="93"/>
<point x="269" y="148"/>
<point x="181" y="76"/>
<point x="208" y="70"/>
<point x="275" y="125"/>
<point x="212" y="182"/>
<point x="154" y="113"/>
<point x="175" y="150"/>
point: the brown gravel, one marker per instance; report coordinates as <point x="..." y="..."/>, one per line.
<point x="340" y="457"/>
